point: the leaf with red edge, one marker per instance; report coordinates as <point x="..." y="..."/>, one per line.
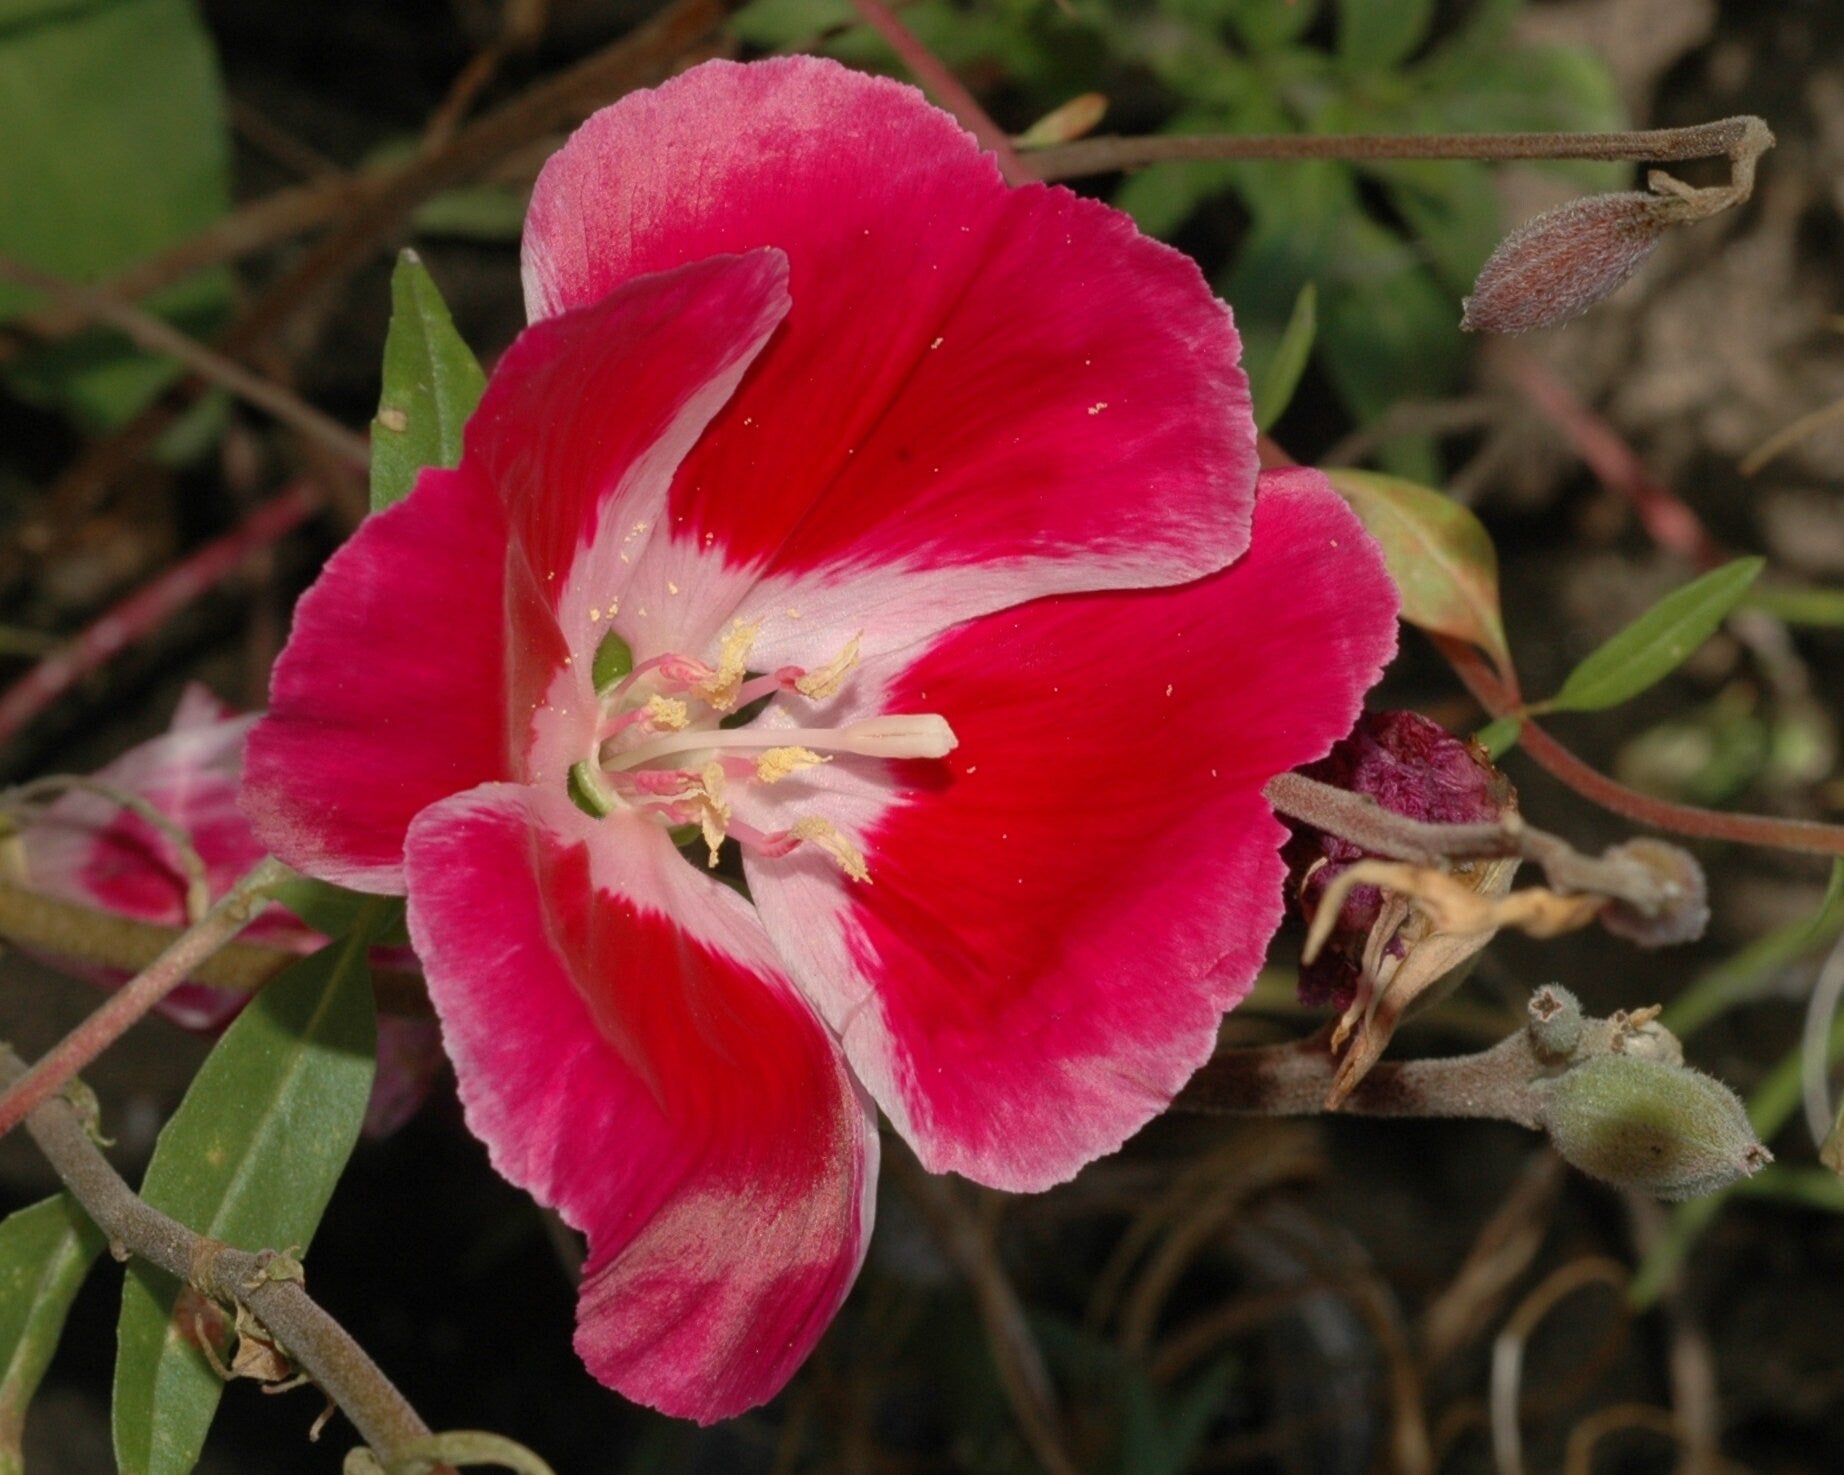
<point x="1439" y="554"/>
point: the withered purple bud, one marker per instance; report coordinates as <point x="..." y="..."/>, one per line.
<point x="1566" y="260"/>
<point x="1412" y="767"/>
<point x="1684" y="910"/>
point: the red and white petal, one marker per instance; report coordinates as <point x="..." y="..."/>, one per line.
<point x="590" y="413"/>
<point x="1007" y="393"/>
<point x="390" y="693"/>
<point x="630" y="1051"/>
<point x="450" y="643"/>
<point x="1059" y="913"/>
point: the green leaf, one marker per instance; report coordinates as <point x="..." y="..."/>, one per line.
<point x="334" y="911"/>
<point x="116" y="146"/>
<point x="1500" y="737"/>
<point x="1439" y="554"/>
<point x="1273" y="388"/>
<point x="250" y="1158"/>
<point x="432" y="381"/>
<point x="45" y="1252"/>
<point x="1374" y="35"/>
<point x="1264" y="25"/>
<point x="1657" y="643"/>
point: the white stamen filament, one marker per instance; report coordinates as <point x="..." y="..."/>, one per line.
<point x="904" y="735"/>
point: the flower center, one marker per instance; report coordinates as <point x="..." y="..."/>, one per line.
<point x="662" y="748"/>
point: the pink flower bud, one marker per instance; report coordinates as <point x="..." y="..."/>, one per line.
<point x="1566" y="260"/>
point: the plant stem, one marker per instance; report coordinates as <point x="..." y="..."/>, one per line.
<point x="69" y="929"/>
<point x="234" y="911"/>
<point x="158" y="336"/>
<point x="151" y="605"/>
<point x="323" y="1349"/>
<point x="1662" y="814"/>
<point x="1499" y="1084"/>
<point x="1368" y="825"/>
<point x="1741" y="139"/>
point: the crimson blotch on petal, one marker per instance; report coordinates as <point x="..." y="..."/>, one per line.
<point x="919" y="511"/>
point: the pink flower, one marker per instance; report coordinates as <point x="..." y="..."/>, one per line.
<point x="86" y="848"/>
<point x="815" y="411"/>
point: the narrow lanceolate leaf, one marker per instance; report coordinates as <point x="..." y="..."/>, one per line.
<point x="250" y="1158"/>
<point x="432" y="382"/>
<point x="1439" y="554"/>
<point x="1273" y="388"/>
<point x="1656" y="643"/>
<point x="45" y="1252"/>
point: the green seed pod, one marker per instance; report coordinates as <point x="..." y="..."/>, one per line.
<point x="1664" y="1129"/>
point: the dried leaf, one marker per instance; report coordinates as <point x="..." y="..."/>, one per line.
<point x="1439" y="554"/>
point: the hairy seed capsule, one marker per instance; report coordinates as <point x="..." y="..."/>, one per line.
<point x="1566" y="260"/>
<point x="1664" y="1129"/>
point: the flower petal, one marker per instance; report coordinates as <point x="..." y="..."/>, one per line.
<point x="387" y="696"/>
<point x="629" y="1050"/>
<point x="449" y="643"/>
<point x="1009" y="391"/>
<point x="1058" y="914"/>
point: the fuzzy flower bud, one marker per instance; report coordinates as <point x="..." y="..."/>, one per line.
<point x="1685" y="910"/>
<point x="1664" y="1129"/>
<point x="1556" y="1025"/>
<point x="1566" y="260"/>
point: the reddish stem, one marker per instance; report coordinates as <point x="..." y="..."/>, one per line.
<point x="152" y="605"/>
<point x="1591" y="784"/>
<point x="235" y="910"/>
<point x="1667" y="518"/>
<point x="945" y="88"/>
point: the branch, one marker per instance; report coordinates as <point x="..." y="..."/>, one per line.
<point x="158" y="336"/>
<point x="151" y="605"/>
<point x="322" y="1348"/>
<point x="1741" y="139"/>
<point x="234" y="911"/>
<point x="1681" y="819"/>
<point x="1620" y="873"/>
<point x="1293" y="1079"/>
<point x="1613" y="1094"/>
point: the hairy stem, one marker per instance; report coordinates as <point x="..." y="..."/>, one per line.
<point x="1367" y="824"/>
<point x="1740" y="139"/>
<point x="1499" y="1084"/>
<point x="234" y="911"/>
<point x="69" y="929"/>
<point x="322" y="1348"/>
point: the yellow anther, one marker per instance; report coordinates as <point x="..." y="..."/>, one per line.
<point x="823" y="833"/>
<point x="732" y="665"/>
<point x="713" y="808"/>
<point x="667" y="714"/>
<point x="777" y="763"/>
<point x="825" y="682"/>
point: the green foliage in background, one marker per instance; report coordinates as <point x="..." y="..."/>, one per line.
<point x="1392" y="247"/>
<point x="116" y="146"/>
